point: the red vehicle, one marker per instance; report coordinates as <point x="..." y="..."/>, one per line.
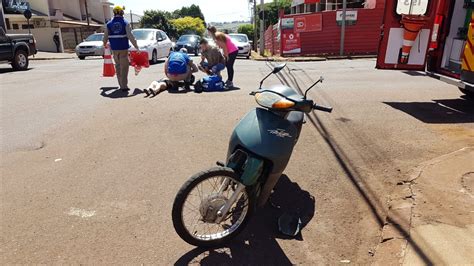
<point x="436" y="36"/>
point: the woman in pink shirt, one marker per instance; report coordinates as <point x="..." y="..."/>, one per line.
<point x="230" y="52"/>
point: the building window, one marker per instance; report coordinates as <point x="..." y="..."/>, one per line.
<point x="26" y="26"/>
<point x="7" y="21"/>
<point x="15" y="26"/>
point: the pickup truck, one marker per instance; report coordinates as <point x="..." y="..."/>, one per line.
<point x="15" y="49"/>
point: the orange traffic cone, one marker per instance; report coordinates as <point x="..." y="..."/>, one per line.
<point x="109" y="69"/>
<point x="412" y="25"/>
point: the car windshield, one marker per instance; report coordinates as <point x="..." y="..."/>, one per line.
<point x="239" y="38"/>
<point x="143" y="35"/>
<point x="95" y="38"/>
<point x="187" y="38"/>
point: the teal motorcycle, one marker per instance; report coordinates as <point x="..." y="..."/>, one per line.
<point x="215" y="205"/>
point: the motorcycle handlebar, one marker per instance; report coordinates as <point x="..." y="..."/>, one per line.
<point x="322" y="108"/>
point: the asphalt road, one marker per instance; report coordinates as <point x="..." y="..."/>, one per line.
<point x="89" y="174"/>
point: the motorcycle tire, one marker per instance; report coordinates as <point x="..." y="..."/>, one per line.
<point x="180" y="200"/>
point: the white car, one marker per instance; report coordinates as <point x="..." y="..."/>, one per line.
<point x="92" y="46"/>
<point x="155" y="42"/>
<point x="242" y="41"/>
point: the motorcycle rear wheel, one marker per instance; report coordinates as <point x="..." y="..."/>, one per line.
<point x="208" y="202"/>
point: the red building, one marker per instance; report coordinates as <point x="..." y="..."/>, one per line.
<point x="314" y="28"/>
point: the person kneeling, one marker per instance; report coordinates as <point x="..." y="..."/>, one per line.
<point x="215" y="60"/>
<point x="179" y="67"/>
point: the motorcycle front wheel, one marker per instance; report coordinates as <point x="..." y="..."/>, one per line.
<point x="198" y="202"/>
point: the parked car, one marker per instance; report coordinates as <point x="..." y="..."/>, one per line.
<point x="155" y="42"/>
<point x="190" y="42"/>
<point x="15" y="49"/>
<point x="91" y="46"/>
<point x="242" y="41"/>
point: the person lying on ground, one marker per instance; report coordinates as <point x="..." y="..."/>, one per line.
<point x="157" y="87"/>
<point x="215" y="60"/>
<point x="180" y="67"/>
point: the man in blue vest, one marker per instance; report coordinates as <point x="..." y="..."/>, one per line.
<point x="119" y="32"/>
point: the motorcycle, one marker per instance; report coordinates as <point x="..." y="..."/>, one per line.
<point x="214" y="206"/>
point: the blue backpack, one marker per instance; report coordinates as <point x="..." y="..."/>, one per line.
<point x="212" y="83"/>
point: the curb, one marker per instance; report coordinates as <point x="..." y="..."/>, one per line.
<point x="312" y="59"/>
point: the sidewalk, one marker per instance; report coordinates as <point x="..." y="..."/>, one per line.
<point x="53" y="56"/>
<point x="276" y="58"/>
<point x="431" y="214"/>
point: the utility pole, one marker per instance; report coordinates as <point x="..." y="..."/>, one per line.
<point x="262" y="28"/>
<point x="343" y="26"/>
<point x="255" y="21"/>
<point x="87" y="14"/>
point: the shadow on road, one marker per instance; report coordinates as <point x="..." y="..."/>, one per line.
<point x="257" y="244"/>
<point x="115" y="93"/>
<point x="360" y="184"/>
<point x="10" y="70"/>
<point x="438" y="111"/>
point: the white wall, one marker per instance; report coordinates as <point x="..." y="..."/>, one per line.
<point x="43" y="37"/>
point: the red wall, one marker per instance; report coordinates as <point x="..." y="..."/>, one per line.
<point x="361" y="38"/>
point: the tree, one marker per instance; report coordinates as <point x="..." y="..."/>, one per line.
<point x="193" y="11"/>
<point x="272" y="10"/>
<point x="189" y="25"/>
<point x="246" y="29"/>
<point x="158" y="19"/>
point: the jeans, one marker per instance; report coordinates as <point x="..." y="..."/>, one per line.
<point x="230" y="65"/>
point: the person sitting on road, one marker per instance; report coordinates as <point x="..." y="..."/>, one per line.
<point x="215" y="60"/>
<point x="179" y="67"/>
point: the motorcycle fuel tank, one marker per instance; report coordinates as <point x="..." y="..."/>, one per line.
<point x="267" y="135"/>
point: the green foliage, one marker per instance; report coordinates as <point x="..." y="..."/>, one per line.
<point x="193" y="11"/>
<point x="158" y="19"/>
<point x="185" y="20"/>
<point x="246" y="29"/>
<point x="272" y="10"/>
<point x="189" y="25"/>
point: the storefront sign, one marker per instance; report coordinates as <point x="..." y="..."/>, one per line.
<point x="351" y="17"/>
<point x="287" y="23"/>
<point x="291" y="43"/>
<point x="309" y="23"/>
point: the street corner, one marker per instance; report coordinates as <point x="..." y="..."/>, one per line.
<point x="430" y="228"/>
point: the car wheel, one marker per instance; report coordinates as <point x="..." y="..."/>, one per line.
<point x="196" y="51"/>
<point x="20" y="62"/>
<point x="154" y="57"/>
<point x="169" y="53"/>
<point x="82" y="57"/>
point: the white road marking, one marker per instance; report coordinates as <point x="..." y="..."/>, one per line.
<point x="80" y="213"/>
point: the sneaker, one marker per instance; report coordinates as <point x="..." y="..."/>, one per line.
<point x="125" y="89"/>
<point x="229" y="84"/>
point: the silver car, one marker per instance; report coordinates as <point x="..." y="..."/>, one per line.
<point x="242" y="41"/>
<point x="92" y="46"/>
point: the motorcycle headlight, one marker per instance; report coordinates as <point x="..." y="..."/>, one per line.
<point x="272" y="100"/>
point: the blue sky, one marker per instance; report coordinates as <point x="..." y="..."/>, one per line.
<point x="214" y="10"/>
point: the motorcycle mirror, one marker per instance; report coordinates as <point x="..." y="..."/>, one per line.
<point x="321" y="79"/>
<point x="279" y="68"/>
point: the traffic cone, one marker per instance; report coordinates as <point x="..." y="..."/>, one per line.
<point x="109" y="68"/>
<point x="412" y="25"/>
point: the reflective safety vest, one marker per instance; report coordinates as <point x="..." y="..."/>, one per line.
<point x="118" y="34"/>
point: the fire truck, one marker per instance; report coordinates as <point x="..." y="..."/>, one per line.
<point x="435" y="36"/>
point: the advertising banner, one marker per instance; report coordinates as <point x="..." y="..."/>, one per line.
<point x="291" y="42"/>
<point x="309" y="23"/>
